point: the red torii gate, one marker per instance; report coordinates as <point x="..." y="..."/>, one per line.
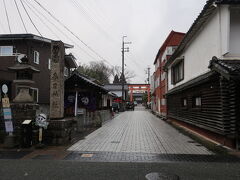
<point x="139" y="87"/>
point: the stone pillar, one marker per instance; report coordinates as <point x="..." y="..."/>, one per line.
<point x="57" y="81"/>
<point x="59" y="129"/>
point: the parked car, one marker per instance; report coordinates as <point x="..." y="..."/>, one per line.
<point x="130" y="106"/>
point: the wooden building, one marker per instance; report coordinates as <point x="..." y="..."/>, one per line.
<point x="38" y="51"/>
<point x="203" y="74"/>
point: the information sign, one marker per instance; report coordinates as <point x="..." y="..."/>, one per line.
<point x="9" y="126"/>
<point x="7" y="113"/>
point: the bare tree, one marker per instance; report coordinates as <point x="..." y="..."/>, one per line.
<point x="117" y="70"/>
<point x="97" y="70"/>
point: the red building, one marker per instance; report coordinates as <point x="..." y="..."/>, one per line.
<point x="160" y="78"/>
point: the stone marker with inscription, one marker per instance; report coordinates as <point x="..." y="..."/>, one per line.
<point x="60" y="128"/>
<point x="57" y="81"/>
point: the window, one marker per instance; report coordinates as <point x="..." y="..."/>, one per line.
<point x="177" y="72"/>
<point x="65" y="71"/>
<point x="197" y="102"/>
<point x="6" y="50"/>
<point x="36" y="57"/>
<point x="49" y="64"/>
<point x="163" y="102"/>
<point x="163" y="76"/>
<point x="184" y="102"/>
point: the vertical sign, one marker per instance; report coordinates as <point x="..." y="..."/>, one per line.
<point x="57" y="80"/>
<point x="7" y="113"/>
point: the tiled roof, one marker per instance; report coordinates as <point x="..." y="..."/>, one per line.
<point x="207" y="11"/>
<point x="178" y="36"/>
<point x="228" y="2"/>
<point x="194" y="82"/>
<point x="7" y="37"/>
<point x="227" y="68"/>
<point x="85" y="79"/>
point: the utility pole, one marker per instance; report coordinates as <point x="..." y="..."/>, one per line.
<point x="124" y="49"/>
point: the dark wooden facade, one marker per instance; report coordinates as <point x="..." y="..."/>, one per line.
<point x="219" y="110"/>
<point x="27" y="44"/>
<point x="86" y="88"/>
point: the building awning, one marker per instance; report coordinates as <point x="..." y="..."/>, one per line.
<point x="71" y="60"/>
<point x="230" y="69"/>
<point x="79" y="80"/>
<point x="112" y="94"/>
<point x="13" y="37"/>
<point x="22" y="66"/>
<point x="196" y="81"/>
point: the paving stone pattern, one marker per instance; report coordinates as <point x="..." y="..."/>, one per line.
<point x="138" y="132"/>
<point x="149" y="158"/>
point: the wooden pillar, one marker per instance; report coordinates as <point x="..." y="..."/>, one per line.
<point x="131" y="95"/>
<point x="76" y="104"/>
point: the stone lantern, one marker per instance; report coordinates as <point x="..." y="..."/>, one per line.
<point x="23" y="105"/>
<point x="24" y="79"/>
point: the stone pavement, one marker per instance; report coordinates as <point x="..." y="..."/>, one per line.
<point x="136" y="134"/>
<point x="71" y="170"/>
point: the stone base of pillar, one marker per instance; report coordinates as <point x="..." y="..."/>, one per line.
<point x="9" y="141"/>
<point x="22" y="112"/>
<point x="59" y="132"/>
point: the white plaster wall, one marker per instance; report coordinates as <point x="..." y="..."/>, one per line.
<point x="224" y="20"/>
<point x="206" y="44"/>
<point x="235" y="32"/>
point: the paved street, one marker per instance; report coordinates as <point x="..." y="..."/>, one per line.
<point x="135" y="133"/>
<point x="131" y="146"/>
<point x="71" y="170"/>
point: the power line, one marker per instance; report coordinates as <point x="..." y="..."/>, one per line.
<point x="90" y="48"/>
<point x="9" y="27"/>
<point x="84" y="11"/>
<point x="48" y="20"/>
<point x="28" y="5"/>
<point x="20" y="16"/>
<point x="82" y="8"/>
<point x="30" y="18"/>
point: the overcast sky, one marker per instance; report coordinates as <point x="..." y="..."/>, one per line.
<point x="102" y="23"/>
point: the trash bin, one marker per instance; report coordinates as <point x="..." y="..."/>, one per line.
<point x="26" y="134"/>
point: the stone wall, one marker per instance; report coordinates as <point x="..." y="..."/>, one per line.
<point x="20" y="113"/>
<point x="59" y="131"/>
